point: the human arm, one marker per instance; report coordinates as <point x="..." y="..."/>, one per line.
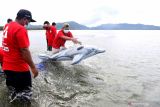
<point x="74" y="40"/>
<point x="23" y="44"/>
<point x="28" y="59"/>
<point x="71" y="38"/>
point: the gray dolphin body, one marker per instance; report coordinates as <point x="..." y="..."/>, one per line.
<point x="76" y="54"/>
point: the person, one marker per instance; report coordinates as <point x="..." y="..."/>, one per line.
<point x="51" y="32"/>
<point x="1" y="50"/>
<point x="9" y="20"/>
<point x="17" y="60"/>
<point x="63" y="35"/>
<point x="54" y="24"/>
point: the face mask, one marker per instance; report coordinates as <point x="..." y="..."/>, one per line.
<point x="26" y="26"/>
<point x="66" y="31"/>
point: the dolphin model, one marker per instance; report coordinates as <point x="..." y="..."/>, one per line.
<point x="76" y="54"/>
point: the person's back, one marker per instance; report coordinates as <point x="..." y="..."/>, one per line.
<point x="53" y="31"/>
<point x="8" y="21"/>
<point x="12" y="44"/>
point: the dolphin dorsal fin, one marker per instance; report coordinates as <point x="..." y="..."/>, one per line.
<point x="80" y="47"/>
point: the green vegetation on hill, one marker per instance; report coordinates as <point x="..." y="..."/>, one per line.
<point x="77" y="26"/>
<point x="1" y="28"/>
<point x="126" y="26"/>
<point x="73" y="26"/>
<point x="121" y="26"/>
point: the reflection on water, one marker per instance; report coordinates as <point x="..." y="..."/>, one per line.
<point x="126" y="75"/>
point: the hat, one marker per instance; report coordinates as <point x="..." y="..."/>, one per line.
<point x="65" y="25"/>
<point x="25" y="13"/>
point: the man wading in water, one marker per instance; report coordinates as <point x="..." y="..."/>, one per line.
<point x="17" y="60"/>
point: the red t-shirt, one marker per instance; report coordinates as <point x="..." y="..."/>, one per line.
<point x="1" y="54"/>
<point x="15" y="37"/>
<point x="50" y="35"/>
<point x="58" y="41"/>
<point x="5" y="26"/>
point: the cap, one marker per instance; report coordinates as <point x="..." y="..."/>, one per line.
<point x="25" y="13"/>
<point x="65" y="25"/>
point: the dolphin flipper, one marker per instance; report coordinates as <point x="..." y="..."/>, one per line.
<point x="77" y="58"/>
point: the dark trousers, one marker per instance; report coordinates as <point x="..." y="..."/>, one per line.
<point x="49" y="48"/>
<point x="19" y="80"/>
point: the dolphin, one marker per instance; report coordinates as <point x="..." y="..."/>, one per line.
<point x="76" y="54"/>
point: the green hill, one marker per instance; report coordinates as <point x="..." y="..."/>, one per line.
<point x="73" y="26"/>
<point x="77" y="26"/>
<point x="1" y="27"/>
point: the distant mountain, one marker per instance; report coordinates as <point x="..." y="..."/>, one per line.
<point x="125" y="26"/>
<point x="77" y="26"/>
<point x="121" y="26"/>
<point x="34" y="27"/>
<point x="1" y="28"/>
<point x="73" y="26"/>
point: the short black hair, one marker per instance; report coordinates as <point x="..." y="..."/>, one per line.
<point x="53" y="24"/>
<point x="9" y="20"/>
<point x="46" y="22"/>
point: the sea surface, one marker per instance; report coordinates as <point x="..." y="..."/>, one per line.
<point x="126" y="75"/>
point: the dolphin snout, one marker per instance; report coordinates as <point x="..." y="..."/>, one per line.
<point x="101" y="51"/>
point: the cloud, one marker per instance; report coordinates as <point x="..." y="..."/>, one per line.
<point x="88" y="12"/>
<point x="101" y="15"/>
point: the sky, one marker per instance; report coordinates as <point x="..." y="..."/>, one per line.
<point x="87" y="12"/>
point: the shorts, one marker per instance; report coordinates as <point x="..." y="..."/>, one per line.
<point x="19" y="84"/>
<point x="49" y="48"/>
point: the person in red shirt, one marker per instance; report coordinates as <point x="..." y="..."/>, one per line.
<point x="8" y="21"/>
<point x="51" y="32"/>
<point x="1" y="49"/>
<point x="63" y="35"/>
<point x="54" y="24"/>
<point x="17" y="60"/>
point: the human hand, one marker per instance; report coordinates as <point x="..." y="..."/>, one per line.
<point x="35" y="72"/>
<point x="74" y="40"/>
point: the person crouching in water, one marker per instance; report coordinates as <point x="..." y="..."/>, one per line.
<point x="63" y="35"/>
<point x="50" y="34"/>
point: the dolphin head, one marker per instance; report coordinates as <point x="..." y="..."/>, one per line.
<point x="85" y="53"/>
<point x="97" y="50"/>
<point x="92" y="51"/>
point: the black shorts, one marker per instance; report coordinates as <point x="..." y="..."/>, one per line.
<point x="19" y="80"/>
<point x="49" y="48"/>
